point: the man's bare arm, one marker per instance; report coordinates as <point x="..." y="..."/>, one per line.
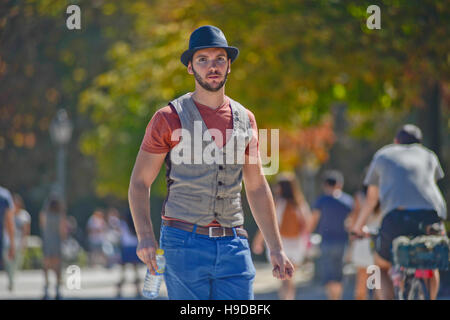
<point x="315" y="217"/>
<point x="368" y="207"/>
<point x="261" y="203"/>
<point x="145" y="171"/>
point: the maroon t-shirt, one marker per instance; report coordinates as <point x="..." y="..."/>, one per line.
<point x="159" y="130"/>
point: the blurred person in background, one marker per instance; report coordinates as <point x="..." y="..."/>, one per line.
<point x="111" y="243"/>
<point x="403" y="177"/>
<point x="329" y="216"/>
<point x="362" y="254"/>
<point x="96" y="229"/>
<point x="22" y="221"/>
<point x="294" y="217"/>
<point x="128" y="246"/>
<point x="53" y="231"/>
<point x="71" y="247"/>
<point x="72" y="228"/>
<point x="6" y="223"/>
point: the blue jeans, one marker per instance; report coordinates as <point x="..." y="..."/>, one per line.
<point x="202" y="268"/>
<point x="331" y="262"/>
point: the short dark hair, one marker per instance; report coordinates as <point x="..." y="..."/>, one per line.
<point x="409" y="134"/>
<point x="333" y="177"/>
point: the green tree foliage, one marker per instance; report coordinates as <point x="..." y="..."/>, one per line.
<point x="43" y="67"/>
<point x="297" y="59"/>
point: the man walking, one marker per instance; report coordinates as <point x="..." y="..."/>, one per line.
<point x="330" y="213"/>
<point x="402" y="176"/>
<point x="209" y="145"/>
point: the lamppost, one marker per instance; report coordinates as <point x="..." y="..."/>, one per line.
<point x="61" y="132"/>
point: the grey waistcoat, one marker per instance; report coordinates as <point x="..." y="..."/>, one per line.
<point x="201" y="189"/>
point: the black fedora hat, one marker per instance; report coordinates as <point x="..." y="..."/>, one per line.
<point x="208" y="37"/>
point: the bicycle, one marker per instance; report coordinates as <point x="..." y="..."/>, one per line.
<point x="415" y="258"/>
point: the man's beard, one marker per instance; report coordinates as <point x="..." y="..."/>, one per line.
<point x="205" y="85"/>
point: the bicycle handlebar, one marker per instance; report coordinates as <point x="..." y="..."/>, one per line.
<point x="366" y="234"/>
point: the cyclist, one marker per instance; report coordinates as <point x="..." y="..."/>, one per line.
<point x="402" y="176"/>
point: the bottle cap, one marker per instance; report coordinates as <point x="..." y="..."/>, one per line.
<point x="160" y="251"/>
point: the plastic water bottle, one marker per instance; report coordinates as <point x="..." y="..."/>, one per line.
<point x="152" y="283"/>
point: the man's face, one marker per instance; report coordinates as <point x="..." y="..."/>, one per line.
<point x="210" y="68"/>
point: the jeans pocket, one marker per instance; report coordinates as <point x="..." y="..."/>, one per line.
<point x="250" y="269"/>
<point x="244" y="242"/>
<point x="172" y="238"/>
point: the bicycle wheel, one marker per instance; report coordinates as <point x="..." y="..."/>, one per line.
<point x="418" y="290"/>
<point x="400" y="282"/>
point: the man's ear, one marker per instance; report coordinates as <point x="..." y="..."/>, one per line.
<point x="189" y="68"/>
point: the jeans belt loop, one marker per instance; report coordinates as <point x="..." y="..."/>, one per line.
<point x="216" y="236"/>
<point x="194" y="231"/>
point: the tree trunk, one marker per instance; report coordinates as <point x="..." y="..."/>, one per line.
<point x="430" y="116"/>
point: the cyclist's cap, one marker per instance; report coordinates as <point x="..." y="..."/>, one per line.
<point x="409" y="134"/>
<point x="333" y="177"/>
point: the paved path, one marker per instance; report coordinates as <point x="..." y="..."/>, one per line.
<point x="100" y="283"/>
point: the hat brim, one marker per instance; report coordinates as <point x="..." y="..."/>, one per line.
<point x="187" y="55"/>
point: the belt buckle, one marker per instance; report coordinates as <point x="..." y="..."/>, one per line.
<point x="210" y="229"/>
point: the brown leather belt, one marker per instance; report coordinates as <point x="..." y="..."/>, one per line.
<point x="212" y="232"/>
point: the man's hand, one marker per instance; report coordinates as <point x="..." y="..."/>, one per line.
<point x="146" y="251"/>
<point x="282" y="267"/>
<point x="359" y="232"/>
